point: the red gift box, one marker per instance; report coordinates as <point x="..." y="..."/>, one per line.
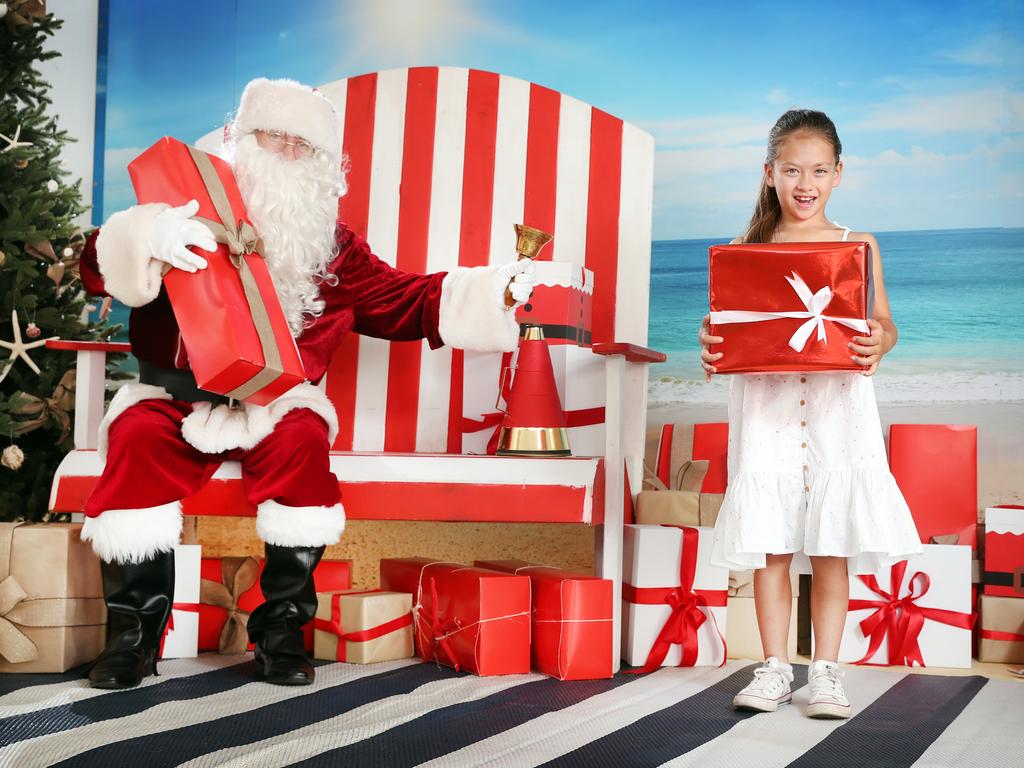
<point x="231" y="322"/>
<point x="936" y="468"/>
<point x="229" y="591"/>
<point x="788" y="306"/>
<point x="571" y="618"/>
<point x="561" y="303"/>
<point x="466" y="618"/>
<point x="1004" y="551"/>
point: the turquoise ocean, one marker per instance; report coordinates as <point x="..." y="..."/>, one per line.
<point x="957" y="297"/>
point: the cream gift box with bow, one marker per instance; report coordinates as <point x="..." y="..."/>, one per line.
<point x="788" y="307"/>
<point x="52" y="615"/>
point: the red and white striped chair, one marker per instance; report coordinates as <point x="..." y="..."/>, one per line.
<point x="443" y="162"/>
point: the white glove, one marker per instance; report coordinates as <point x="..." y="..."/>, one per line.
<point x="173" y="230"/>
<point x="523" y="276"/>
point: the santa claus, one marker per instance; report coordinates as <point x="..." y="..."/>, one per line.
<point x="163" y="438"/>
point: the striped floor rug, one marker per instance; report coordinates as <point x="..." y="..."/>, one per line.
<point x="209" y="712"/>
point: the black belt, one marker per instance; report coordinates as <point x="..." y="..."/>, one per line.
<point x="180" y="384"/>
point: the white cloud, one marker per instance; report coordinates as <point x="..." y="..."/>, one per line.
<point x="777" y="96"/>
<point x="987" y="110"/>
<point x="984" y="51"/>
<point x="417" y="32"/>
<point x="711" y="130"/>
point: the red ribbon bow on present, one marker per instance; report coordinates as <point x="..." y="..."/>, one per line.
<point x="901" y="618"/>
<point x="686" y="617"/>
<point x="333" y="626"/>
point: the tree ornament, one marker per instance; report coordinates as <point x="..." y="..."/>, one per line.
<point x="3" y="10"/>
<point x="68" y="252"/>
<point x="12" y="457"/>
<point x="22" y="164"/>
<point x="3" y="258"/>
<point x="19" y="348"/>
<point x="32" y="331"/>
<point x="52" y="186"/>
<point x="14" y="143"/>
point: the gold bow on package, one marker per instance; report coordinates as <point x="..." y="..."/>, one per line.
<point x="683" y="503"/>
<point x="52" y="614"/>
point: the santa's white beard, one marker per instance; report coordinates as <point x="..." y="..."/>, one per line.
<point x="294" y="206"/>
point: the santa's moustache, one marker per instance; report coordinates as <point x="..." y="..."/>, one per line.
<point x="294" y="206"/>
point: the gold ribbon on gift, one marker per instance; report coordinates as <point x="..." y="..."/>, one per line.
<point x="18" y="610"/>
<point x="238" y="576"/>
<point x="241" y="240"/>
<point x="42" y="410"/>
<point x="683" y="504"/>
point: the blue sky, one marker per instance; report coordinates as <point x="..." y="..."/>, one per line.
<point x="928" y="96"/>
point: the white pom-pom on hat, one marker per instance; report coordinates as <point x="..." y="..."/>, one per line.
<point x="291" y="107"/>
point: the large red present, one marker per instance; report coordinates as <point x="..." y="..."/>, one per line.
<point x="231" y="322"/>
<point x="230" y="590"/>
<point x="936" y="468"/>
<point x="571" y="618"/>
<point x="1004" y="551"/>
<point x="466" y="618"/>
<point x="788" y="306"/>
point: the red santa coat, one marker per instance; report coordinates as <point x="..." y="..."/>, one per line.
<point x="174" y="447"/>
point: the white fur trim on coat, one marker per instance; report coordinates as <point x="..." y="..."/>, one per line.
<point x="472" y="314"/>
<point x="213" y="430"/>
<point x="299" y="526"/>
<point x="126" y="397"/>
<point x="130" y="273"/>
<point x="291" y="107"/>
<point x="133" y="535"/>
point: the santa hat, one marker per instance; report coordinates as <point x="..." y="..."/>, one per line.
<point x="291" y="107"/>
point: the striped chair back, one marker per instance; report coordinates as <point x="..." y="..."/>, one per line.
<point x="443" y="161"/>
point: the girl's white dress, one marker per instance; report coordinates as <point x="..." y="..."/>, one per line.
<point x="808" y="473"/>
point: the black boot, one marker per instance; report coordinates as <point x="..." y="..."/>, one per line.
<point x="138" y="597"/>
<point x="276" y="626"/>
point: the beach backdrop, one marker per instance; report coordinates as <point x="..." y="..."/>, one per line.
<point x="933" y="148"/>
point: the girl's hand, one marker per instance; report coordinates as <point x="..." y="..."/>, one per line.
<point x="706" y="340"/>
<point x="869" y="349"/>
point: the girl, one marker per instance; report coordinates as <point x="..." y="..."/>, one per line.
<point x="807" y="466"/>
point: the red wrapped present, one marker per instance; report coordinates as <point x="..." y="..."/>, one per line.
<point x="230" y="590"/>
<point x="231" y="322"/>
<point x="936" y="468"/>
<point x="1004" y="551"/>
<point x="466" y="618"/>
<point x="788" y="306"/>
<point x="571" y="618"/>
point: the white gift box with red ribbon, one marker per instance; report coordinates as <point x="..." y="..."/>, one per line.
<point x="181" y="640"/>
<point x="917" y="612"/>
<point x="673" y="599"/>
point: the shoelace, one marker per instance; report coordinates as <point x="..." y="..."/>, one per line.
<point x="828" y="682"/>
<point x="766" y="677"/>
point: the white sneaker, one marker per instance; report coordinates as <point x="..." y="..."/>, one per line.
<point x="826" y="698"/>
<point x="769" y="689"/>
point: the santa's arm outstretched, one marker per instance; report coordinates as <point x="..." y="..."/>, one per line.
<point x="463" y="308"/>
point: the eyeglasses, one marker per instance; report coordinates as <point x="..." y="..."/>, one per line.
<point x="279" y="140"/>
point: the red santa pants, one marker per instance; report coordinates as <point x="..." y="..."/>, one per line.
<point x="150" y="464"/>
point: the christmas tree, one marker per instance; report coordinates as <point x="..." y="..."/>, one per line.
<point x="41" y="294"/>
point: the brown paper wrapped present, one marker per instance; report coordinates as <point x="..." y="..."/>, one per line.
<point x="683" y="503"/>
<point x="742" y="636"/>
<point x="52" y="614"/>
<point x="363" y="627"/>
<point x="1002" y="629"/>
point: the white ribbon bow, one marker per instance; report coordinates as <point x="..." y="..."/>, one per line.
<point x="815" y="304"/>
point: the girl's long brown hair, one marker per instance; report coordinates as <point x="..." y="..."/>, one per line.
<point x="768" y="211"/>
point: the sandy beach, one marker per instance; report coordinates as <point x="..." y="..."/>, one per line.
<point x="1000" y="436"/>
